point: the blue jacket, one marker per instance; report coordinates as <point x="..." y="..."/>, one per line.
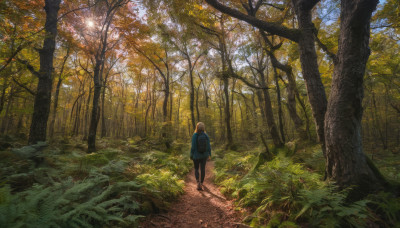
<point x="194" y="154"/>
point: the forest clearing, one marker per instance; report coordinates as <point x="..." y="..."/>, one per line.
<point x="114" y="112"/>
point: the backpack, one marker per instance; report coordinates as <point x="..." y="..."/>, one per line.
<point x="202" y="143"/>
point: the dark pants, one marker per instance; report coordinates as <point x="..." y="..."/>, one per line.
<point x="202" y="163"/>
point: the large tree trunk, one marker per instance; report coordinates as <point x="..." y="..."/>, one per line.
<point x="346" y="162"/>
<point x="42" y="103"/>
<point x="309" y="65"/>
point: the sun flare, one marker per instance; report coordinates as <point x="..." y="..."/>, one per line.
<point x="90" y="23"/>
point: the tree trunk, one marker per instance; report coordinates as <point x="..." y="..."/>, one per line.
<point x="171" y="100"/>
<point x="21" y="119"/>
<point x="191" y="84"/>
<point x="97" y="76"/>
<point x="291" y="106"/>
<point x="56" y="95"/>
<point x="95" y="107"/>
<point x="197" y="103"/>
<point x="55" y="104"/>
<point x="177" y="116"/>
<point x="227" y="112"/>
<point x="280" y="113"/>
<point x="42" y="103"/>
<point x="269" y="113"/>
<point x="304" y="36"/>
<point x="85" y="126"/>
<point x="266" y="153"/>
<point x="225" y="79"/>
<point x="5" y="119"/>
<point x="291" y="90"/>
<point x="309" y="65"/>
<point x="346" y="162"/>
<point x="165" y="113"/>
<point x="103" y="117"/>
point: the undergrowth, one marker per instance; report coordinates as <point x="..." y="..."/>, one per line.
<point x="113" y="187"/>
<point x="288" y="191"/>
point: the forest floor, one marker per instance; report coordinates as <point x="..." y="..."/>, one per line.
<point x="196" y="208"/>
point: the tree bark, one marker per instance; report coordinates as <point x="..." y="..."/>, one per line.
<point x="346" y="162"/>
<point x="42" y="102"/>
<point x="309" y="65"/>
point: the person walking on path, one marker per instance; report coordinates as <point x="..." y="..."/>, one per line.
<point x="200" y="152"/>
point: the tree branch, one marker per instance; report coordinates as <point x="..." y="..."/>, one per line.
<point x="244" y="80"/>
<point x="23" y="86"/>
<point x="271" y="27"/>
<point x="395" y="107"/>
<point x="308" y="4"/>
<point x="151" y="61"/>
<point x="29" y="67"/>
<point x="85" y="68"/>
<point x="8" y="61"/>
<point x="275" y="6"/>
<point x="331" y="55"/>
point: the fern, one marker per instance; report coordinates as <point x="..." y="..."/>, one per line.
<point x="327" y="207"/>
<point x="387" y="207"/>
<point x="104" y="189"/>
<point x="82" y="204"/>
<point x="281" y="190"/>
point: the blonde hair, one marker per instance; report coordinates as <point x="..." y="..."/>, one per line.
<point x="200" y="127"/>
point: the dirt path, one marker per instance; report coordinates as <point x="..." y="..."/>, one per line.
<point x="207" y="208"/>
